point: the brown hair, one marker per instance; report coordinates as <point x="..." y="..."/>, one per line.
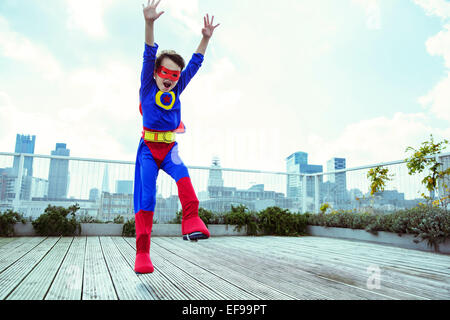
<point x="172" y="55"/>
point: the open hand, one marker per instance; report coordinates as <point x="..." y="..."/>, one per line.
<point x="208" y="28"/>
<point x="150" y="13"/>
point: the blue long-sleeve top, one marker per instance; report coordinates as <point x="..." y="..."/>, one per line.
<point x="162" y="111"/>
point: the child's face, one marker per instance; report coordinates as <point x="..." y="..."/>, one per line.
<point x="166" y="76"/>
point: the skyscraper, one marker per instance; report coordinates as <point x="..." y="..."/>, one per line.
<point x="24" y="144"/>
<point x="58" y="177"/>
<point x="215" y="174"/>
<point x="215" y="180"/>
<point x="124" y="186"/>
<point x="297" y="163"/>
<point x="338" y="191"/>
<point x="105" y="181"/>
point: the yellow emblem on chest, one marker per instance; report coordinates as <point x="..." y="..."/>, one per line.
<point x="165" y="100"/>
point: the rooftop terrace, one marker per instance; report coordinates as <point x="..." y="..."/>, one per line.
<point x="221" y="268"/>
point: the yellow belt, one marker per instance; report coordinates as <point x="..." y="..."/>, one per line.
<point x="152" y="136"/>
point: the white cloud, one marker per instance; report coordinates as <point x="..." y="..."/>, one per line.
<point x="377" y="140"/>
<point x="440" y="8"/>
<point x="439" y="45"/>
<point x="438" y="98"/>
<point x="184" y="11"/>
<point x="88" y="16"/>
<point x="94" y="109"/>
<point x="373" y="13"/>
<point x="19" y="48"/>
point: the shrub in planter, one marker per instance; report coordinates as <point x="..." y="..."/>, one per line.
<point x="55" y="222"/>
<point x="277" y="221"/>
<point x="241" y="216"/>
<point x="129" y="229"/>
<point x="431" y="224"/>
<point x="7" y="221"/>
<point x="119" y="220"/>
<point x="204" y="214"/>
<point x="88" y="219"/>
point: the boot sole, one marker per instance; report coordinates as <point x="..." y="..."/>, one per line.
<point x="195" y="236"/>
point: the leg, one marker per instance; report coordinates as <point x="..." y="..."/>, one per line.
<point x="191" y="224"/>
<point x="145" y="200"/>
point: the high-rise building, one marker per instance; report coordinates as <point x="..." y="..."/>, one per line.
<point x="297" y="163"/>
<point x="105" y="181"/>
<point x="215" y="174"/>
<point x="24" y="144"/>
<point x="94" y="194"/>
<point x="124" y="186"/>
<point x="338" y="181"/>
<point x="58" y="177"/>
<point x="444" y="183"/>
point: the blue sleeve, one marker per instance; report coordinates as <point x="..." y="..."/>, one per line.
<point x="189" y="72"/>
<point x="148" y="67"/>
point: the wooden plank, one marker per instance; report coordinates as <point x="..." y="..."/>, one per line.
<point x="38" y="281"/>
<point x="433" y="262"/>
<point x="248" y="278"/>
<point x="191" y="287"/>
<point x="126" y="282"/>
<point x="68" y="282"/>
<point x="406" y="281"/>
<point x="11" y="277"/>
<point x="157" y="283"/>
<point x="438" y="258"/>
<point x="282" y="275"/>
<point x="349" y="266"/>
<point x="337" y="271"/>
<point x="403" y="273"/>
<point x="4" y="240"/>
<point x="97" y="283"/>
<point x="13" y="251"/>
<point x="227" y="289"/>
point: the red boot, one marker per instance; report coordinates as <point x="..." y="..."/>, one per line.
<point x="144" y="222"/>
<point x="192" y="227"/>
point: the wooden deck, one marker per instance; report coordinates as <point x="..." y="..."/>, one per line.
<point x="221" y="268"/>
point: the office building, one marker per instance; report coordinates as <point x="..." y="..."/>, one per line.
<point x="336" y="189"/>
<point x="124" y="186"/>
<point x="58" y="177"/>
<point x="24" y="144"/>
<point x="297" y="164"/>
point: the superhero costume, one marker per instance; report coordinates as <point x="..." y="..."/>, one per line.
<point x="161" y="114"/>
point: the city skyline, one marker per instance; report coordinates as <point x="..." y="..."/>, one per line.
<point x="355" y="79"/>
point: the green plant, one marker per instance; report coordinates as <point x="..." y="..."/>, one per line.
<point x="54" y="222"/>
<point x="119" y="219"/>
<point x="206" y="215"/>
<point x="129" y="229"/>
<point x="425" y="157"/>
<point x="88" y="219"/>
<point x="378" y="177"/>
<point x="241" y="216"/>
<point x="277" y="221"/>
<point x="7" y="221"/>
<point x="324" y="207"/>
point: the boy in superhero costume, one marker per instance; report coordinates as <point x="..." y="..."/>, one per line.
<point x="162" y="81"/>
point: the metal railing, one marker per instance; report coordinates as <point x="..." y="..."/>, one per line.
<point x="104" y="188"/>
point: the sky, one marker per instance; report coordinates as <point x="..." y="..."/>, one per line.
<point x="358" y="79"/>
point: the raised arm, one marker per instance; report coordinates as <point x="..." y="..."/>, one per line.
<point x="207" y="33"/>
<point x="151" y="47"/>
<point x="197" y="58"/>
<point x="150" y="16"/>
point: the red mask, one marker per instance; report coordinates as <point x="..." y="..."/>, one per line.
<point x="168" y="74"/>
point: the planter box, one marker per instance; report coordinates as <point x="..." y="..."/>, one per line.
<point x="112" y="229"/>
<point x="389" y="238"/>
